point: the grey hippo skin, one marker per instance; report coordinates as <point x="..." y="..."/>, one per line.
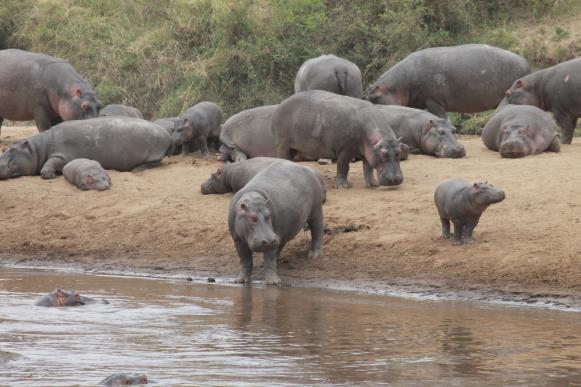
<point x="44" y="89"/>
<point x="463" y="203"/>
<point x="467" y="79"/>
<point x="120" y="110"/>
<point x="66" y="298"/>
<point x="423" y="132"/>
<point x="330" y="73"/>
<point x="521" y="130"/>
<point x="87" y="175"/>
<point x="556" y="89"/>
<point x="119" y="143"/>
<point x="204" y="121"/>
<point x="124" y="380"/>
<point x="270" y="210"/>
<point x="171" y="125"/>
<point x="319" y="124"/>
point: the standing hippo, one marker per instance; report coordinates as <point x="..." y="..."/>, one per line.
<point x="87" y="175"/>
<point x="270" y="211"/>
<point x="124" y="380"/>
<point x="119" y="143"/>
<point x="171" y="125"/>
<point x="556" y="89"/>
<point x="44" y="89"/>
<point x="423" y="132"/>
<point x="463" y="204"/>
<point x="120" y="110"/>
<point x="466" y="79"/>
<point x="320" y="124"/>
<point x="202" y="127"/>
<point x="521" y="130"/>
<point x="66" y="298"/>
<point x="330" y="73"/>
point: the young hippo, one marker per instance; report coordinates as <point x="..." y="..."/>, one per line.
<point x="124" y="380"/>
<point x="66" y="298"/>
<point x="463" y="204"/>
<point x="87" y="175"/>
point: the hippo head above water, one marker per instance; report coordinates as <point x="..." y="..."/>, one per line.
<point x="19" y="159"/>
<point x="439" y="138"/>
<point x="381" y="94"/>
<point x="125" y="380"/>
<point x="516" y="141"/>
<point x="522" y="93"/>
<point x="254" y="223"/>
<point x="384" y="158"/>
<point x="215" y="184"/>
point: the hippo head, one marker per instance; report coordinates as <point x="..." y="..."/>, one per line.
<point x="438" y="138"/>
<point x="254" y="223"/>
<point x="125" y="380"/>
<point x="516" y="141"/>
<point x="66" y="298"/>
<point x="78" y="103"/>
<point x="182" y="132"/>
<point x="19" y="159"/>
<point x="384" y="158"/>
<point x="381" y="94"/>
<point x="521" y="93"/>
<point x="484" y="194"/>
<point x="95" y="180"/>
<point x="215" y="184"/>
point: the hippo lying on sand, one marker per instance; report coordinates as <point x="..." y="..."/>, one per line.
<point x="521" y="130"/>
<point x="87" y="175"/>
<point x="119" y="143"/>
<point x="270" y="211"/>
<point x="330" y="73"/>
<point x="204" y="121"/>
<point x="124" y="380"/>
<point x="66" y="298"/>
<point x="120" y="111"/>
<point x="463" y="204"/>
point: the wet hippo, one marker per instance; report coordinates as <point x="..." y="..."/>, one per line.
<point x="556" y="89"/>
<point x="66" y="298"/>
<point x="202" y="128"/>
<point x="120" y="110"/>
<point x="463" y="204"/>
<point x="467" y="79"/>
<point x="119" y="143"/>
<point x="320" y="124"/>
<point x="521" y="130"/>
<point x="171" y="125"/>
<point x="423" y="132"/>
<point x="44" y="89"/>
<point x="87" y="175"/>
<point x="270" y="210"/>
<point x="124" y="380"/>
<point x="330" y="73"/>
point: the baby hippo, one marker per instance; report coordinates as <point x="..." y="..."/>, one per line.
<point x="463" y="204"/>
<point x="66" y="298"/>
<point x="87" y="174"/>
<point x="124" y="380"/>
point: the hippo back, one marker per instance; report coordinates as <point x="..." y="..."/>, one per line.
<point x="251" y="132"/>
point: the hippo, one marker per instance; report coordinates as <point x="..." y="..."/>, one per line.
<point x="204" y="121"/>
<point x="124" y="379"/>
<point x="42" y="88"/>
<point x="521" y="130"/>
<point x="469" y="78"/>
<point x="556" y="89"/>
<point x="119" y="143"/>
<point x="270" y="210"/>
<point x="120" y="110"/>
<point x="172" y="124"/>
<point x="463" y="204"/>
<point x="423" y="132"/>
<point x="320" y="124"/>
<point x="87" y="175"/>
<point x="330" y="73"/>
<point x="66" y="298"/>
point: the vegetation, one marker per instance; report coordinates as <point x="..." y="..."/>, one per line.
<point x="163" y="56"/>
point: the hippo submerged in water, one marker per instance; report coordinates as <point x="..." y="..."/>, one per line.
<point x="124" y="379"/>
<point x="66" y="298"/>
<point x="330" y="73"/>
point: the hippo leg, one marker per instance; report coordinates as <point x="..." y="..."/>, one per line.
<point x="567" y="123"/>
<point x="42" y="119"/>
<point x="316" y="226"/>
<point x="445" y="228"/>
<point x="458" y="231"/>
<point x="186" y="148"/>
<point x="270" y="275"/>
<point x="436" y="108"/>
<point x="203" y="142"/>
<point x="405" y="152"/>
<point x="283" y="151"/>
<point x="238" y="155"/>
<point x="468" y="230"/>
<point x="246" y="262"/>
<point x="343" y="170"/>
<point x="370" y="180"/>
<point x="555" y="145"/>
<point x="144" y="166"/>
<point x="415" y="150"/>
<point x="51" y="167"/>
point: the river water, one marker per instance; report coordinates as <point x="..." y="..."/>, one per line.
<point x="206" y="334"/>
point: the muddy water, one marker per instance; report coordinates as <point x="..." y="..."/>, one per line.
<point x="207" y="334"/>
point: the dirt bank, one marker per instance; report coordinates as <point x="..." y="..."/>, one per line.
<point x="157" y="221"/>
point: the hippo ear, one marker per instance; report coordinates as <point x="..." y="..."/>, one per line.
<point x="518" y="84"/>
<point x="399" y="139"/>
<point x="219" y="171"/>
<point x="378" y="90"/>
<point x="431" y="124"/>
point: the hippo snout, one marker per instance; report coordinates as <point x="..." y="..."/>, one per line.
<point x="513" y="149"/>
<point x="391" y="180"/>
<point x="454" y="152"/>
<point x="265" y="243"/>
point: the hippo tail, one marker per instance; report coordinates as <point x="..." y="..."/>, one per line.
<point x="342" y="79"/>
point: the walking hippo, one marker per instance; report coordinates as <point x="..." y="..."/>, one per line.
<point x="172" y="124"/>
<point x="330" y="73"/>
<point x="468" y="78"/>
<point x="270" y="210"/>
<point x="124" y="380"/>
<point x="120" y="110"/>
<point x="66" y="298"/>
<point x="556" y="89"/>
<point x="521" y="130"/>
<point x="202" y="128"/>
<point x="42" y="88"/>
<point x="87" y="175"/>
<point x="319" y="124"/>
<point x="463" y="204"/>
<point x="119" y="143"/>
<point x="423" y="132"/>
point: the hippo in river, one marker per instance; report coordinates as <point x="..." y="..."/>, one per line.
<point x="119" y="143"/>
<point x="171" y="125"/>
<point x="330" y="73"/>
<point x="270" y="210"/>
<point x="124" y="380"/>
<point x="44" y="89"/>
<point x="203" y="124"/>
<point x="463" y="204"/>
<point x="423" y="132"/>
<point x="521" y="130"/>
<point x="120" y="110"/>
<point x="320" y="124"/>
<point x="556" y="89"/>
<point x="66" y="298"/>
<point x="86" y="175"/>
<point x="466" y="79"/>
